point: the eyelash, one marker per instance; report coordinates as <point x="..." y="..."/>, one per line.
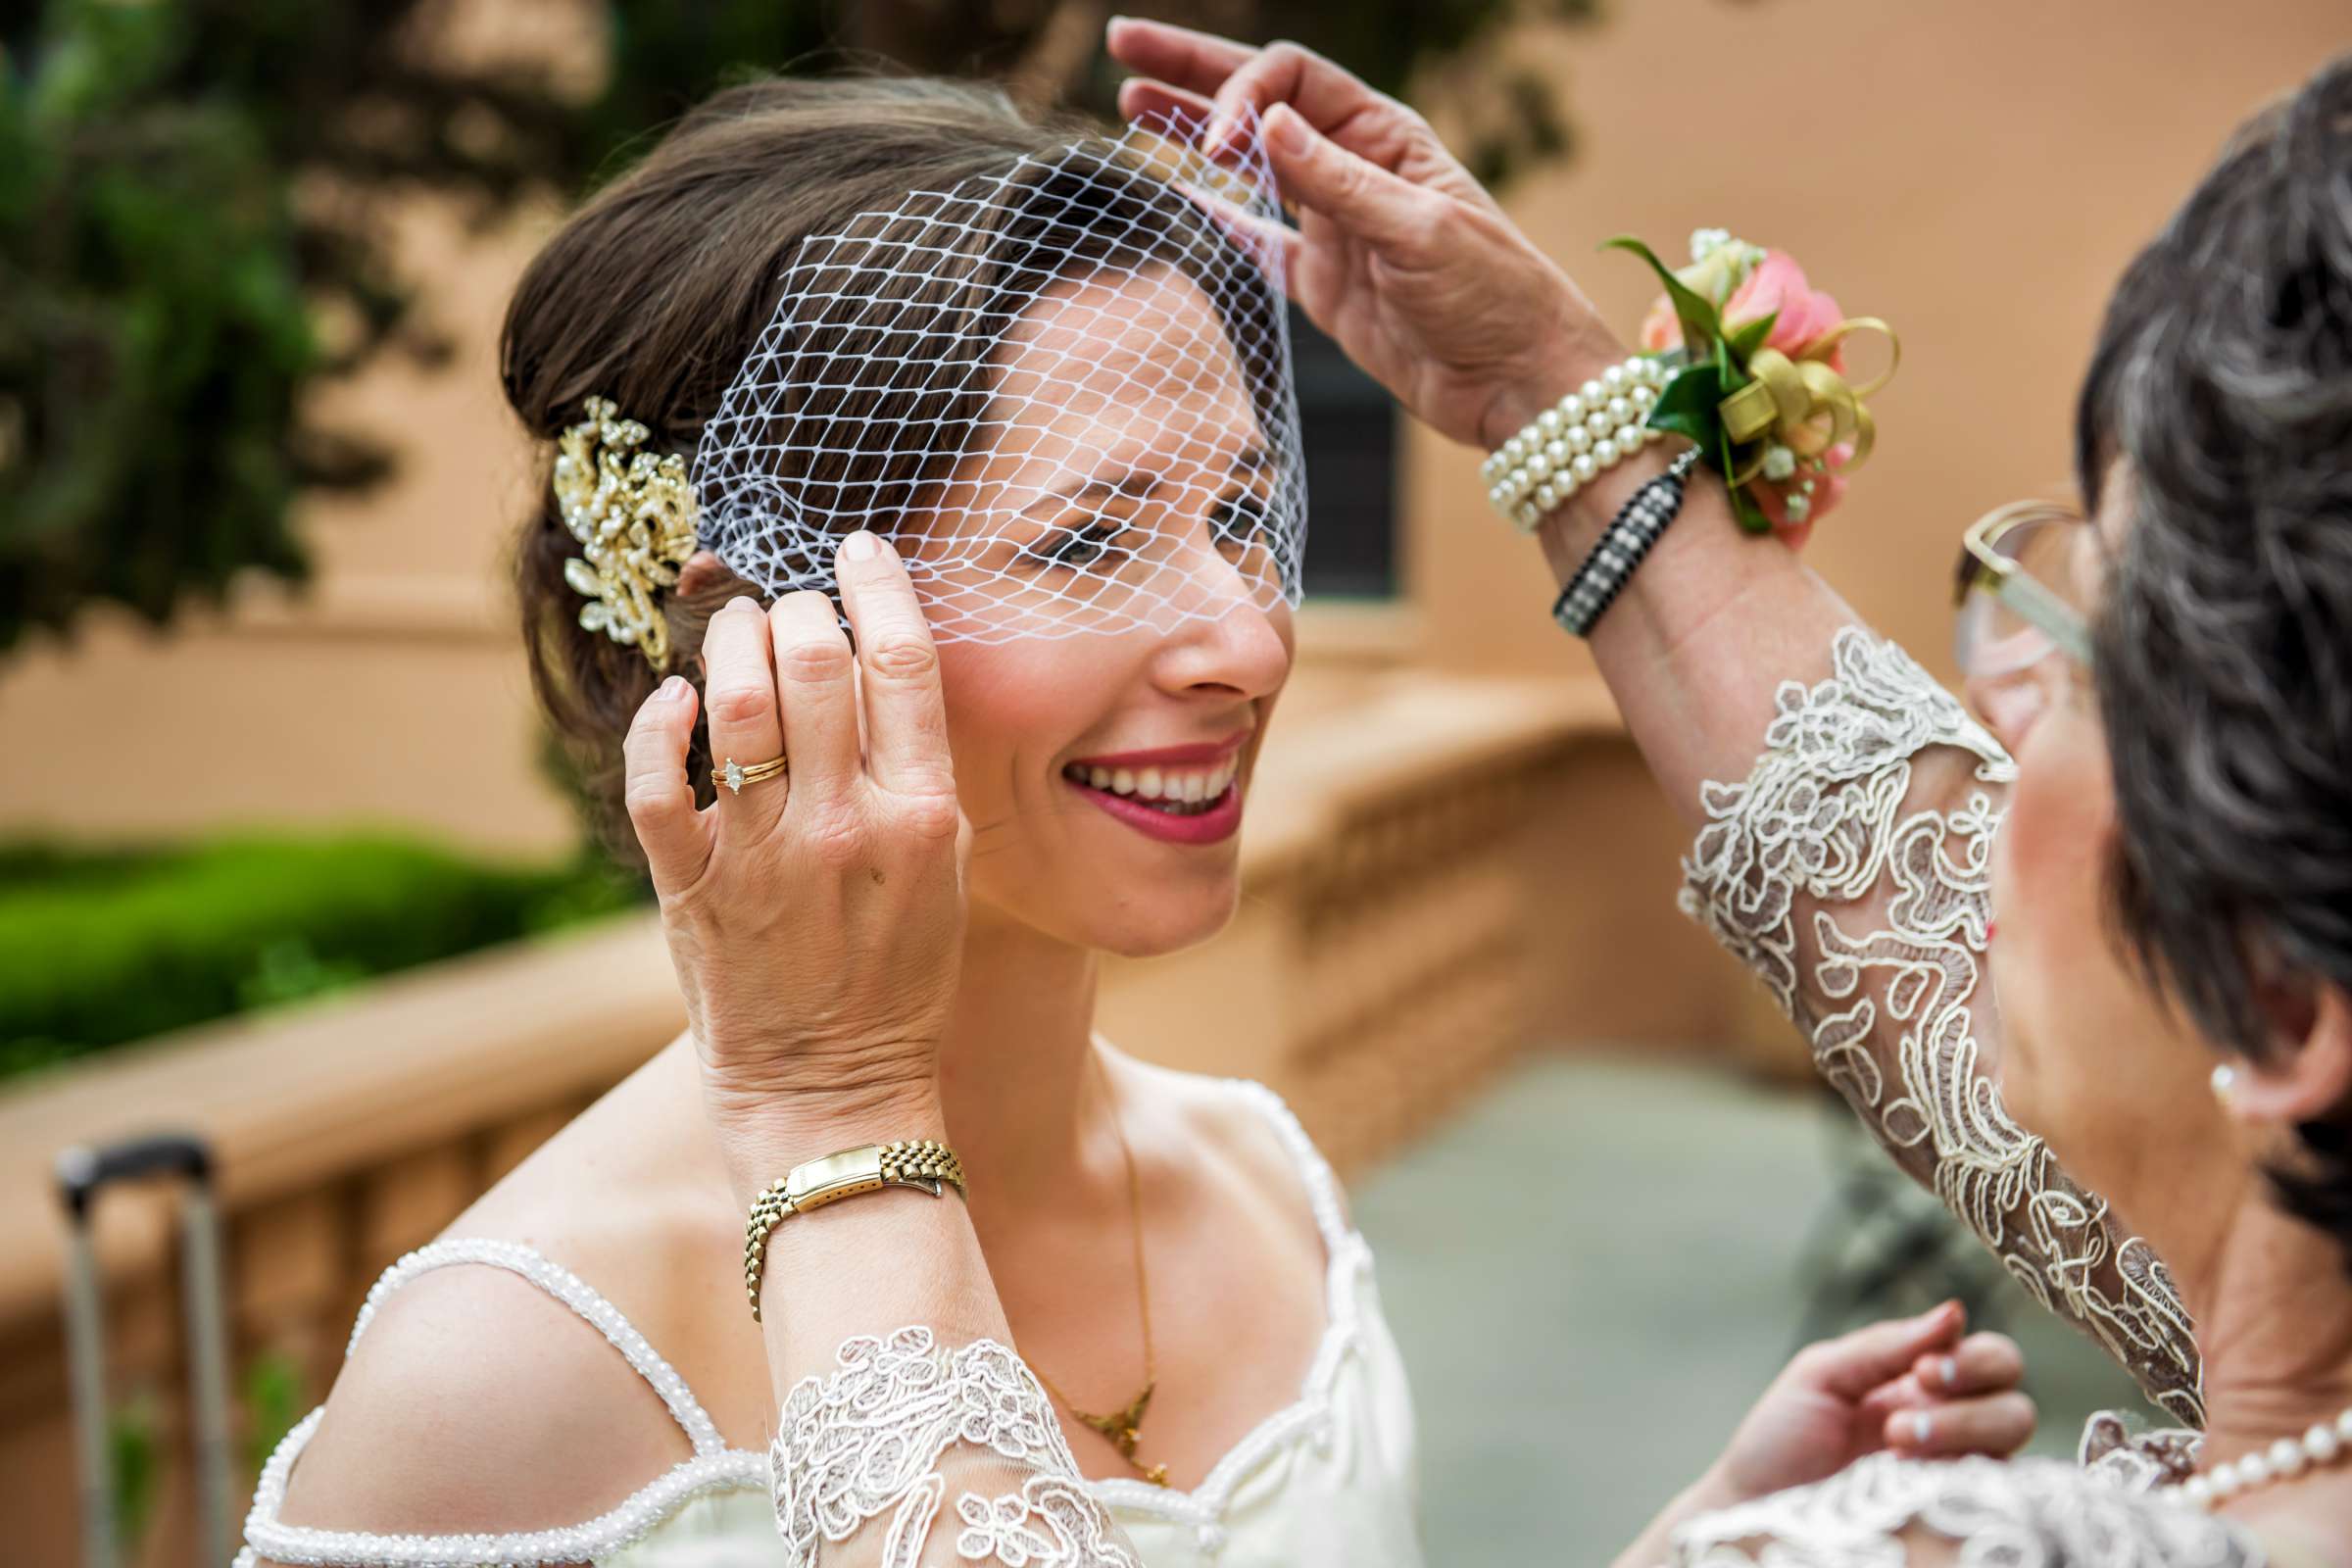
<point x="1054" y="554"/>
<point x="1248" y="510"/>
<point x="1251" y="508"/>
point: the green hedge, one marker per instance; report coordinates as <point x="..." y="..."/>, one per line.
<point x="98" y="947"/>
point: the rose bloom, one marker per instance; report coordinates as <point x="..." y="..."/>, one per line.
<point x="1778" y="283"/>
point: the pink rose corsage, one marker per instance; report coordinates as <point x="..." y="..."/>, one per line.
<point x="1756" y="357"/>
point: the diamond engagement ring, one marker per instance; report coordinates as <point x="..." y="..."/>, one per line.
<point x="734" y="775"/>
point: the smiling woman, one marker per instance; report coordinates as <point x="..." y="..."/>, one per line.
<point x="1020" y="397"/>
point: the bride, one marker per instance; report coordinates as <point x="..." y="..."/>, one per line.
<point x="1019" y="397"/>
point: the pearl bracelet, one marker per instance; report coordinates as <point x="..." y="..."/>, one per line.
<point x="1568" y="445"/>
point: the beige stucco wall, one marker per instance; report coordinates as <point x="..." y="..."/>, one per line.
<point x="1976" y="172"/>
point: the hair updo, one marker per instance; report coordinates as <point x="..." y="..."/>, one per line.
<point x="656" y="292"/>
<point x="2223" y="380"/>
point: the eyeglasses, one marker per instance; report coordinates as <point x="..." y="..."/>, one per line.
<point x="2022" y="590"/>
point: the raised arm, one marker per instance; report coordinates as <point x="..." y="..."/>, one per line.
<point x="816" y="924"/>
<point x="1845" y="802"/>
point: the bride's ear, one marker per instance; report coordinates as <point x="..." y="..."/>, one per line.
<point x="700" y="573"/>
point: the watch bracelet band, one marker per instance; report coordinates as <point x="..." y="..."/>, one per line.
<point x="1622" y="546"/>
<point x="923" y="1163"/>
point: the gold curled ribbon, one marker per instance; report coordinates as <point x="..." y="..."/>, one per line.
<point x="1805" y="404"/>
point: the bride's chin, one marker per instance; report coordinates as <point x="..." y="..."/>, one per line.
<point x="1157" y="922"/>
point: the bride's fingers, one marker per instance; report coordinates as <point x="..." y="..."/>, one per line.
<point x="906" y="716"/>
<point x="675" y="837"/>
<point x="1999" y="1425"/>
<point x="739" y="687"/>
<point x="818" y="691"/>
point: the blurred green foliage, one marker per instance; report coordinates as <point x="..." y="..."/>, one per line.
<point x="193" y="218"/>
<point x="102" y="947"/>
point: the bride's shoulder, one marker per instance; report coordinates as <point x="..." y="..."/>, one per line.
<point x="489" y="1387"/>
<point x="474" y="1399"/>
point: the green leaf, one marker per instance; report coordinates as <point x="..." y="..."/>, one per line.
<point x="1686" y="405"/>
<point x="1743" y="341"/>
<point x="1734" y="378"/>
<point x="1701" y="324"/>
<point x="1743" y="506"/>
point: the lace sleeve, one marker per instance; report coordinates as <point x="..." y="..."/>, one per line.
<point x="1850" y="872"/>
<point x="1886" y="1512"/>
<point x="909" y="1454"/>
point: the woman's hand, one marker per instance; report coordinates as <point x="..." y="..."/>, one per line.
<point x="1915" y="1385"/>
<point x="1400" y="255"/>
<point x="816" y="919"/>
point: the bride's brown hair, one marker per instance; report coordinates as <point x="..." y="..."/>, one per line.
<point x="653" y="293"/>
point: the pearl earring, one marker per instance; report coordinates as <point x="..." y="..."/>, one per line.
<point x="2225" y="1083"/>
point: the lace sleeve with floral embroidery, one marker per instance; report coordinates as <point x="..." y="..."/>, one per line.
<point x="909" y="1454"/>
<point x="1850" y="872"/>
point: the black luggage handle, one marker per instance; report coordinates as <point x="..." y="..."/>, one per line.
<point x="82" y="1170"/>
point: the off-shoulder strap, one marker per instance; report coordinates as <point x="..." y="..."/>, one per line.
<point x="574" y="1293"/>
<point x="1322" y="1186"/>
<point x="714" y="1468"/>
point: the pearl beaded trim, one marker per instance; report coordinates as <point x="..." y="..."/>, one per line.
<point x="2283" y="1460"/>
<point x="715" y="1467"/>
<point x="1573" y="442"/>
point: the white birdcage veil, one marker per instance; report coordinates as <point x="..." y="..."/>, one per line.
<point x="1063" y="390"/>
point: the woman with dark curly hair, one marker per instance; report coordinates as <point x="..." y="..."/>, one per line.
<point x="2155" y="812"/>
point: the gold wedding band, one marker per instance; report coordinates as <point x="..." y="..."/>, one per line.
<point x="735" y="775"/>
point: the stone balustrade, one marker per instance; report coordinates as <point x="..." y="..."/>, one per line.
<point x="1436" y="870"/>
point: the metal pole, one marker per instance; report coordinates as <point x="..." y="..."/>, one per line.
<point x="208" y="1372"/>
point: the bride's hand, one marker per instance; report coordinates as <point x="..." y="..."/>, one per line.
<point x="817" y="920"/>
<point x="1915" y="1385"/>
<point x="1400" y="255"/>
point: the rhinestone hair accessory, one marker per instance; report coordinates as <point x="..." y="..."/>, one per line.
<point x="633" y="515"/>
<point x="1061" y="389"/>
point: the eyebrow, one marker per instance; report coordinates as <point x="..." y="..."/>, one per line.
<point x="1256" y="460"/>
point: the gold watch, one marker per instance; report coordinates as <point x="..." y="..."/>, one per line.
<point x="923" y="1163"/>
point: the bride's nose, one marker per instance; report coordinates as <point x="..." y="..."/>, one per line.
<point x="1241" y="652"/>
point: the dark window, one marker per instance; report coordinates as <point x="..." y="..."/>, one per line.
<point x="1347" y="425"/>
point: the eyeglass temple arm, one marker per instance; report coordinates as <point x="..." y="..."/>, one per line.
<point x="2046" y="612"/>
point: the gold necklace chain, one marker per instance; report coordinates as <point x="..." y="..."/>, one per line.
<point x="1124" y="1427"/>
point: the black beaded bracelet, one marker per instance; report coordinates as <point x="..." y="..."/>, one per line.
<point x="1623" y="544"/>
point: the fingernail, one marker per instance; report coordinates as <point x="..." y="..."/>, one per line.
<point x="858" y="546"/>
<point x="1283" y="129"/>
<point x="1923" y="1427"/>
<point x="741" y="602"/>
<point x="671" y="690"/>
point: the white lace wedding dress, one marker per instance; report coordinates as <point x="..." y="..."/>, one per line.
<point x="915" y="1452"/>
<point x="1849" y="870"/>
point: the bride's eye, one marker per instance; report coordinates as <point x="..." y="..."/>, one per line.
<point x="1072" y="549"/>
<point x="1240" y="523"/>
